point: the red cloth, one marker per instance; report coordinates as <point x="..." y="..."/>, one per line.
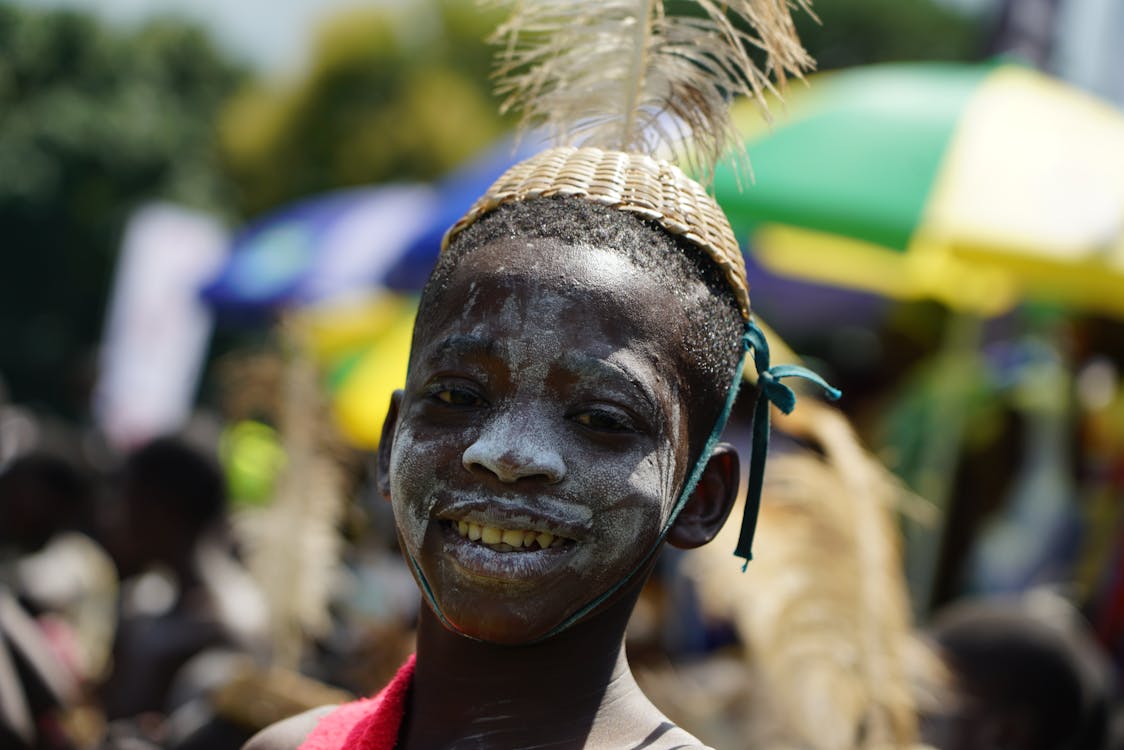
<point x="368" y="723"/>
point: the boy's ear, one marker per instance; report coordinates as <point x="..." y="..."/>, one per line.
<point x="709" y="505"/>
<point x="386" y="442"/>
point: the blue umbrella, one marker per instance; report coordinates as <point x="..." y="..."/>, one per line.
<point x="373" y="237"/>
<point x="457" y="192"/>
<point x="321" y="248"/>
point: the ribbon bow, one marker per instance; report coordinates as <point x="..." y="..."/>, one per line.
<point x="770" y="391"/>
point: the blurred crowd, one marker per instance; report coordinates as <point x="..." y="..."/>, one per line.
<point x="126" y="609"/>
<point x="135" y="613"/>
<point x="183" y="589"/>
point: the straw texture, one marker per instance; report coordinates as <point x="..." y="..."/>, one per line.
<point x="823" y="611"/>
<point x="654" y="189"/>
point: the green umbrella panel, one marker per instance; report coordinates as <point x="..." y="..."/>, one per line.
<point x="976" y="185"/>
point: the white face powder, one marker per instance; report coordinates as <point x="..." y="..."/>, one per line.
<point x="541" y="400"/>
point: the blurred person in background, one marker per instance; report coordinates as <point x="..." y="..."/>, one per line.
<point x="54" y="625"/>
<point x="1029" y="676"/>
<point x="184" y="594"/>
<point x="50" y="561"/>
<point x="40" y="496"/>
<point x="36" y="689"/>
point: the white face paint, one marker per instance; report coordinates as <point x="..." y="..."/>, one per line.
<point x="544" y="407"/>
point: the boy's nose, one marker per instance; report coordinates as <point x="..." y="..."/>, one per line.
<point x="511" y="454"/>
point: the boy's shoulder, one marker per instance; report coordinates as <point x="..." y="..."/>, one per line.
<point x="667" y="736"/>
<point x="679" y="740"/>
<point x="289" y="733"/>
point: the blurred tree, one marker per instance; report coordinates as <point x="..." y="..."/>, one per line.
<point x="843" y="33"/>
<point x="93" y="121"/>
<point x="393" y="93"/>
<point x="859" y="32"/>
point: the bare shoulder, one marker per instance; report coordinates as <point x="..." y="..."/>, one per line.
<point x="289" y="733"/>
<point x="678" y="739"/>
<point x="663" y="736"/>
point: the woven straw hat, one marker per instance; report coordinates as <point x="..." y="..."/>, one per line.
<point x="654" y="189"/>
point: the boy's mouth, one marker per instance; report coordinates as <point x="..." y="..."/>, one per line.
<point x="508" y="540"/>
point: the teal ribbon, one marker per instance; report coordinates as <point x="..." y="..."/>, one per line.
<point x="770" y="390"/>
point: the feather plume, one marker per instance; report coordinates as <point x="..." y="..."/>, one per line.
<point x="294" y="545"/>
<point x="823" y="608"/>
<point x="626" y="75"/>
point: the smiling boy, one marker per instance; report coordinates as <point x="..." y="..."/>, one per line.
<point x="572" y="366"/>
<point x="576" y="353"/>
<point x="552" y="410"/>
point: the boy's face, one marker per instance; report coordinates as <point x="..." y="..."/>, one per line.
<point x="542" y="437"/>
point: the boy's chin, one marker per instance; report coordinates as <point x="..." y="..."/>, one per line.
<point x="501" y="629"/>
<point x="507" y="624"/>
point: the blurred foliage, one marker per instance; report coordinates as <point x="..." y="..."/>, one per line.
<point x="842" y="33"/>
<point x="860" y="32"/>
<point x="393" y="93"/>
<point x="93" y="121"/>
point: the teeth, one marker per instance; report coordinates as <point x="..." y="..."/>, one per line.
<point x="513" y="538"/>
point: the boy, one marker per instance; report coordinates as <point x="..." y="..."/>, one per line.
<point x="575" y="355"/>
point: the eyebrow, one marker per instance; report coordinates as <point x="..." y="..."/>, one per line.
<point x="596" y="366"/>
<point x="464" y="344"/>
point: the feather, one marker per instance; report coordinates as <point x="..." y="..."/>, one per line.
<point x="294" y="545"/>
<point x="823" y="609"/>
<point x="626" y="75"/>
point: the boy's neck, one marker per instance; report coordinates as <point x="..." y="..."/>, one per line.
<point x="564" y="692"/>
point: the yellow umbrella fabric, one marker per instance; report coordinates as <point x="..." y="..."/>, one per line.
<point x="976" y="185"/>
<point x="364" y="345"/>
<point x="1050" y="212"/>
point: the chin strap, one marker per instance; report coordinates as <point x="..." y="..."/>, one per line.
<point x="770" y="390"/>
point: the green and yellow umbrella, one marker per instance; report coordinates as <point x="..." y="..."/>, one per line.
<point x="979" y="186"/>
<point x="976" y="185"/>
<point x="363" y="346"/>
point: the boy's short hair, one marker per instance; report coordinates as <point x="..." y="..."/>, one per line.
<point x="715" y="323"/>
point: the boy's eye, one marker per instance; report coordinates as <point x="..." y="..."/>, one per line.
<point x="603" y="420"/>
<point x="457" y="397"/>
